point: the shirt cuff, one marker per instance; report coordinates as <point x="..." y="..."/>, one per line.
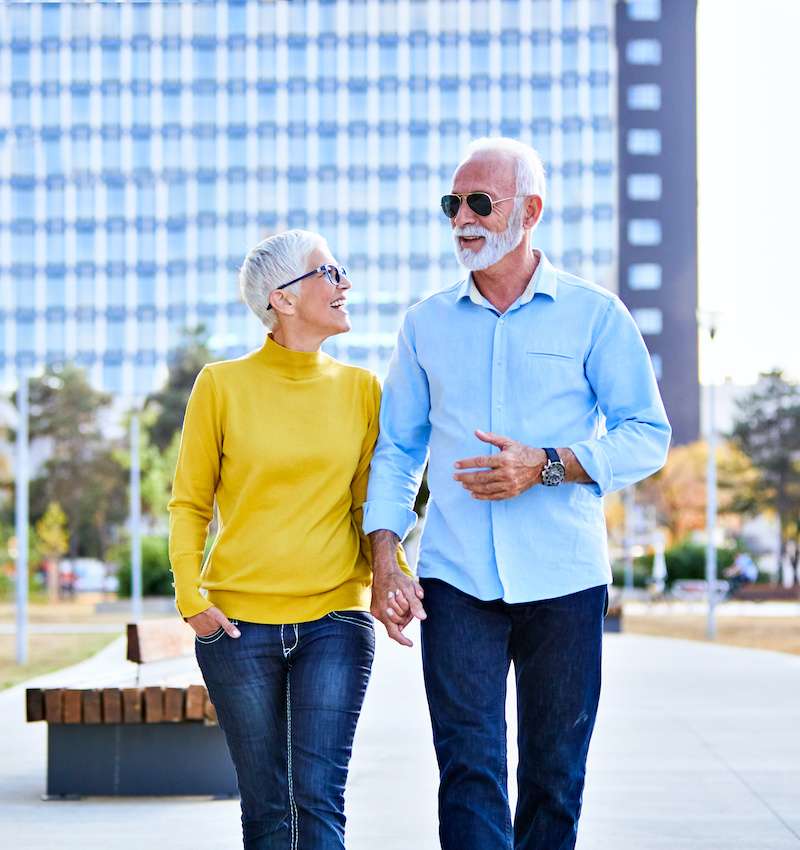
<point x="595" y="463"/>
<point x="389" y="515"/>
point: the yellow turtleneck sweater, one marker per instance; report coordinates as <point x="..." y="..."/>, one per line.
<point x="282" y="440"/>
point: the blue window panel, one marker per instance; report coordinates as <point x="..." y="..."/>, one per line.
<point x="357" y="51"/>
<point x="20" y="63"/>
<point x="207" y="196"/>
<point x="86" y="329"/>
<point x="146" y="333"/>
<point x="479" y="53"/>
<point x="146" y="244"/>
<point x="112" y="378"/>
<point x="644" y="187"/>
<point x="569" y="13"/>
<point x="237" y="19"/>
<point x="54" y="337"/>
<point x="110" y="21"/>
<point x="237" y="103"/>
<point x="21" y="106"/>
<point x="144" y="379"/>
<point x="644" y="10"/>
<point x="643" y="51"/>
<point x="509" y="52"/>
<point x="541" y="100"/>
<point x="266" y="53"/>
<point x="599" y="50"/>
<point x="644" y="231"/>
<point x="387" y="55"/>
<point x="141" y="106"/>
<point x="510" y="96"/>
<point x="205" y="142"/>
<point x="145" y="199"/>
<point x="448" y="53"/>
<point x="112" y="154"/>
<point x="115" y="292"/>
<point x="644" y="276"/>
<point x="207" y="286"/>
<point x="176" y="199"/>
<point x="644" y="142"/>
<point x="600" y="97"/>
<point x="649" y="319"/>
<point x="171" y="54"/>
<point x="24" y="293"/>
<point x="140" y="60"/>
<point x="541" y="58"/>
<point x="658" y="365"/>
<point x="81" y="66"/>
<point x="171" y="103"/>
<point x="569" y="51"/>
<point x="205" y="102"/>
<point x="85" y="291"/>
<point x="55" y="246"/>
<point x="141" y="151"/>
<point x="237" y="193"/>
<point x="176" y="244"/>
<point x="644" y="96"/>
<point x="204" y="59"/>
<point x="26" y="336"/>
<point x="22" y="246"/>
<point x="604" y="188"/>
<point x="51" y="20"/>
<point x="204" y="19"/>
<point x="51" y="62"/>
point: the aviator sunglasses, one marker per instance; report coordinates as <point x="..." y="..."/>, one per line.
<point x="333" y="274"/>
<point x="478" y="202"/>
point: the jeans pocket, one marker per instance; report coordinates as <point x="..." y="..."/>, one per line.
<point x="355" y="618"/>
<point x="214" y="636"/>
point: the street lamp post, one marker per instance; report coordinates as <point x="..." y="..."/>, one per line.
<point x="21" y="518"/>
<point x="136" y="522"/>
<point x="710" y="322"/>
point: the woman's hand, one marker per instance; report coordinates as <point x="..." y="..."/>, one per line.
<point x="207" y="622"/>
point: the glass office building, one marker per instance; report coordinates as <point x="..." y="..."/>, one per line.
<point x="144" y="147"/>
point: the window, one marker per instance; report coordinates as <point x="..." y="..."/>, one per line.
<point x="644" y="96"/>
<point x="644" y="10"/>
<point x="644" y="187"/>
<point x="644" y="276"/>
<point x="644" y="231"/>
<point x="649" y="319"/>
<point x="644" y="142"/>
<point x="643" y="51"/>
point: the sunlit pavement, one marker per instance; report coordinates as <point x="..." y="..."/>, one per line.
<point x="696" y="746"/>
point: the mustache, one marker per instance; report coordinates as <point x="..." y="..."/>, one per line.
<point x="471" y="230"/>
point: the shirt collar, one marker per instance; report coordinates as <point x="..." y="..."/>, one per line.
<point x="543" y="282"/>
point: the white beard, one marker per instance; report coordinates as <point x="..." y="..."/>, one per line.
<point x="495" y="246"/>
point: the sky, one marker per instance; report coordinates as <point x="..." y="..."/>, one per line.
<point x="748" y="66"/>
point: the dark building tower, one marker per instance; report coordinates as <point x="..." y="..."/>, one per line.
<point x="658" y="193"/>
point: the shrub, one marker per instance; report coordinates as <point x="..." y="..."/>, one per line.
<point x="156" y="573"/>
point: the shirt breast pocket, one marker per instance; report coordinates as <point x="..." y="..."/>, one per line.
<point x="553" y="372"/>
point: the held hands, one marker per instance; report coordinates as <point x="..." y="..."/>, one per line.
<point x="517" y="468"/>
<point x="207" y="622"/>
<point x="396" y="600"/>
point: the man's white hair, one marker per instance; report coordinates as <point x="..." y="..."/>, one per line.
<point x="275" y="260"/>
<point x="530" y="169"/>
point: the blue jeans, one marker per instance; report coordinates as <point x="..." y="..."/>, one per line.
<point x="288" y="700"/>
<point x="467" y="647"/>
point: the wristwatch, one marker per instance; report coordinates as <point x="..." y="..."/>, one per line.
<point x="554" y="470"/>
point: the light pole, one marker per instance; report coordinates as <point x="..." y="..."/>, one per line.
<point x="21" y="517"/>
<point x="136" y="521"/>
<point x="709" y="321"/>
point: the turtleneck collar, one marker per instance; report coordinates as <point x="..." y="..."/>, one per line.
<point x="291" y="363"/>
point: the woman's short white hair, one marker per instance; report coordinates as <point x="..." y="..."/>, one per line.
<point x="530" y="169"/>
<point x="275" y="260"/>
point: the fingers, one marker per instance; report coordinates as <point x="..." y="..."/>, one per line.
<point x="469" y="478"/>
<point x="226" y="624"/>
<point x="495" y="439"/>
<point x="480" y="462"/>
<point x="397" y="601"/>
<point x="395" y="633"/>
<point x="414" y="594"/>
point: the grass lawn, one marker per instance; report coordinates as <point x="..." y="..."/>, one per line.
<point x="781" y="634"/>
<point x="46" y="653"/>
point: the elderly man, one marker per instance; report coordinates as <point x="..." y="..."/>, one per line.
<point x="505" y="379"/>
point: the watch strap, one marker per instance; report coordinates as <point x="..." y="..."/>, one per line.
<point x="552" y="456"/>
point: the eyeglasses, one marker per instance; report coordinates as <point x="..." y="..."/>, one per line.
<point x="478" y="202"/>
<point x="333" y="274"/>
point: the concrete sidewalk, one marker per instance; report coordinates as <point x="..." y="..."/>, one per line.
<point x="697" y="748"/>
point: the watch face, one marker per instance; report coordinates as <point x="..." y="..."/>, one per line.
<point x="553" y="474"/>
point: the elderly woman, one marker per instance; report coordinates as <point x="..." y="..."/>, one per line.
<point x="281" y="439"/>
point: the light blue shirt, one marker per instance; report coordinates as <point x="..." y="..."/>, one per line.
<point x="565" y="356"/>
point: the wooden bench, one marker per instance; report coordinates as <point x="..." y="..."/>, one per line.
<point x="766" y="593"/>
<point x="155" y="735"/>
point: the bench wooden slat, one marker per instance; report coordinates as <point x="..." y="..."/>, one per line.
<point x="209" y="712"/>
<point x="173" y="705"/>
<point x="195" y="702"/>
<point x="153" y="704"/>
<point x="155" y="640"/>
<point x="34" y="704"/>
<point x="53" y="711"/>
<point x="131" y="705"/>
<point x="72" y="705"/>
<point x="111" y="700"/>
<point x="92" y="711"/>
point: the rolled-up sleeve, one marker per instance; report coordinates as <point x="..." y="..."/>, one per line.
<point x="402" y="447"/>
<point x="620" y="372"/>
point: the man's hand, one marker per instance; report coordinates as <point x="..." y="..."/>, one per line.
<point x="207" y="622"/>
<point x="396" y="598"/>
<point x="516" y="469"/>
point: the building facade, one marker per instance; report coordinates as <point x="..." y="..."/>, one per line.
<point x="658" y="194"/>
<point x="144" y="147"/>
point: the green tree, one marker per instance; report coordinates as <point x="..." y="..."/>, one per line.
<point x="767" y="430"/>
<point x="51" y="530"/>
<point x="169" y="404"/>
<point x="80" y="473"/>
